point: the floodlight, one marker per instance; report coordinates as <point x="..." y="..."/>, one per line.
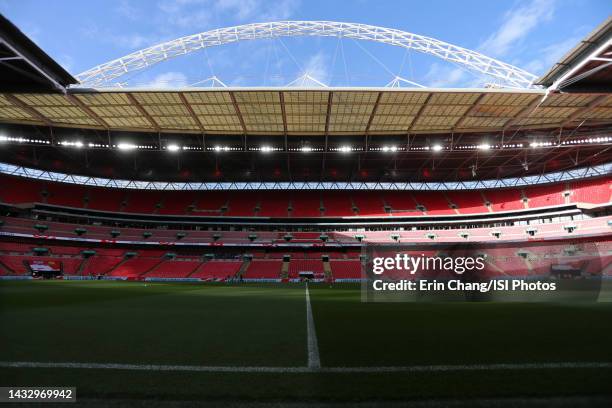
<point x="126" y="146"/>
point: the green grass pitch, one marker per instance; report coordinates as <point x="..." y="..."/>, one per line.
<point x="261" y="325"/>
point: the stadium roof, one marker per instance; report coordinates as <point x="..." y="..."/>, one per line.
<point x="587" y="66"/>
<point x="412" y="135"/>
<point x="25" y="67"/>
<point x="280" y="111"/>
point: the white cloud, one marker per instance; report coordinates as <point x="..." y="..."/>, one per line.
<point x="444" y="76"/>
<point x="257" y="10"/>
<point x="550" y="55"/>
<point x="518" y="23"/>
<point x="127" y="10"/>
<point x="134" y="41"/>
<point x="168" y="80"/>
<point x="242" y="9"/>
<point x="280" y="10"/>
<point x="199" y="14"/>
<point x="126" y="41"/>
<point x="175" y="6"/>
<point x="317" y="67"/>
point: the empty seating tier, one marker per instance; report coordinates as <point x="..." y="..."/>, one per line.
<point x="313" y="204"/>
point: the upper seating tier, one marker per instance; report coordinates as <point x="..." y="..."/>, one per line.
<point x="314" y="204"/>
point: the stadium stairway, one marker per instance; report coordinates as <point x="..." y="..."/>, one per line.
<point x="5" y="270"/>
<point x="524" y="199"/>
<point x="118" y="265"/>
<point x="196" y="270"/>
<point x="81" y="267"/>
<point x="285" y="270"/>
<point x="490" y="263"/>
<point x="245" y="265"/>
<point x="451" y="204"/>
<point x="486" y="201"/>
<point x="151" y="269"/>
<point x="327" y="270"/>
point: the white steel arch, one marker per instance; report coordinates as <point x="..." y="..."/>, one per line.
<point x="506" y="74"/>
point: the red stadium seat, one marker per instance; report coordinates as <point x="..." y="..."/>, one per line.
<point x="263" y="269"/>
<point x="346" y="269"/>
<point x="217" y="270"/>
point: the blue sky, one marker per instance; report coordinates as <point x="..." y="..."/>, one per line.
<point x="531" y="34"/>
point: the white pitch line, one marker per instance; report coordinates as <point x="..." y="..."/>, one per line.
<point x="300" y="370"/>
<point x="314" y="360"/>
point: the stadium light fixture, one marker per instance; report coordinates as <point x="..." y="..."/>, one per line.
<point x="78" y="144"/>
<point x="126" y="146"/>
<point x="535" y="145"/>
<point x="345" y="149"/>
<point x="21" y="140"/>
<point x="389" y="149"/>
<point x="436" y="148"/>
<point x="306" y="149"/>
<point x="173" y="148"/>
<point x="484" y="146"/>
<point x="266" y="149"/>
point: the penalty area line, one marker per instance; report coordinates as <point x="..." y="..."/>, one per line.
<point x="300" y="370"/>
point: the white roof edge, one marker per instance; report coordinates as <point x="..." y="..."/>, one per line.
<point x="310" y="89"/>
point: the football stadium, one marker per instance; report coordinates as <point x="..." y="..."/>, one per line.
<point x="310" y="242"/>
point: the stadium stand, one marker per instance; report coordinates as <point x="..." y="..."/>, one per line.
<point x="209" y="203"/>
<point x="432" y="203"/>
<point x="67" y="195"/>
<point x="263" y="269"/>
<point x="134" y="267"/>
<point x="26" y="227"/>
<point x="100" y="265"/>
<point x="507" y="199"/>
<point x="368" y="203"/>
<point x="217" y="270"/>
<point x="467" y="202"/>
<point x="179" y="204"/>
<point x="303" y="204"/>
<point x="241" y="204"/>
<point x="173" y="269"/>
<point x="17" y="264"/>
<point x="105" y="199"/>
<point x="337" y="204"/>
<point x="544" y="196"/>
<point x="401" y="202"/>
<point x="274" y="204"/>
<point x="346" y="269"/>
<point x="304" y="265"/>
<point x="591" y="191"/>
